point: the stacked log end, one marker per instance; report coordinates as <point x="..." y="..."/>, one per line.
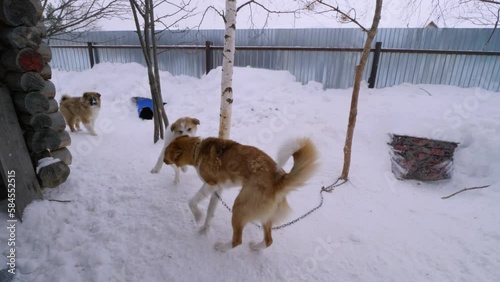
<point x="25" y="69"/>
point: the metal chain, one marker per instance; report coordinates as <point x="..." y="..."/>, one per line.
<point x="323" y="189"/>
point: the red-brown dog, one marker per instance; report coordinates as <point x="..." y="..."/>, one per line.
<point x="224" y="163"/>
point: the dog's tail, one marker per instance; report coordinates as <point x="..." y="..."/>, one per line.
<point x="305" y="163"/>
<point x="64" y="97"/>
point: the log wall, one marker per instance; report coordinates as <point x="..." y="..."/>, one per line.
<point x="25" y="75"/>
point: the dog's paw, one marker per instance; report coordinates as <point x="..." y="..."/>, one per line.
<point x="204" y="230"/>
<point x="223" y="247"/>
<point x="196" y="213"/>
<point x="93" y="133"/>
<point x="257" y="246"/>
<point x="184" y="168"/>
<point x="154" y="170"/>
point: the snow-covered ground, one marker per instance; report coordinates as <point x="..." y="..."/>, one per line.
<point x="125" y="224"/>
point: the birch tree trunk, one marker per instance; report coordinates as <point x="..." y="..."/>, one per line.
<point x="227" y="70"/>
<point x="359" y="69"/>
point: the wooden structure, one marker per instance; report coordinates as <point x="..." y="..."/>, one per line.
<point x="31" y="126"/>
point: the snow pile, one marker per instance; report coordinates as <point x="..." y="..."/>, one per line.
<point x="45" y="162"/>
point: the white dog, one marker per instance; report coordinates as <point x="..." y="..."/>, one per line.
<point x="185" y="126"/>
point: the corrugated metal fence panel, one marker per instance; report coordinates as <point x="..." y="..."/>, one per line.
<point x="183" y="62"/>
<point x="70" y="59"/>
<point x="333" y="69"/>
<point x="438" y="39"/>
<point x="458" y="70"/>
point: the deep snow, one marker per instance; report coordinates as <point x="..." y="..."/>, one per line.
<point x="125" y="224"/>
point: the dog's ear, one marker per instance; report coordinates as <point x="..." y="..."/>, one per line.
<point x="172" y="127"/>
<point x="98" y="94"/>
<point x="195" y="121"/>
<point x="85" y="95"/>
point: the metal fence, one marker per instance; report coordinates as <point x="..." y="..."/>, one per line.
<point x="461" y="57"/>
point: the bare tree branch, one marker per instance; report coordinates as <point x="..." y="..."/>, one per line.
<point x="490" y="1"/>
<point x="44" y="4"/>
<point x="453" y="12"/>
<point x="465" y="189"/>
<point x="60" y="201"/>
<point x="493" y="31"/>
<point x="249" y="3"/>
<point x="220" y="13"/>
<point x="180" y="13"/>
<point x="344" y="16"/>
<point x="70" y="16"/>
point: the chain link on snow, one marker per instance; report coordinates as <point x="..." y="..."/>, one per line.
<point x="323" y="189"/>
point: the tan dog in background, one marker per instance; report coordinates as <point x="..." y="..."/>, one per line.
<point x="224" y="163"/>
<point x="83" y="109"/>
<point x="185" y="126"/>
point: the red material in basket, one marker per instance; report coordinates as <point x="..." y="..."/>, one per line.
<point x="421" y="158"/>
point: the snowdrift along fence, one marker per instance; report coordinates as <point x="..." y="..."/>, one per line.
<point x="460" y="57"/>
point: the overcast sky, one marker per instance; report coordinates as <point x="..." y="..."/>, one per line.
<point x="396" y="13"/>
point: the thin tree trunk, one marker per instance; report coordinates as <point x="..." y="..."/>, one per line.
<point x="227" y="70"/>
<point x="154" y="83"/>
<point x="149" y="62"/>
<point x="158" y="99"/>
<point x="138" y="29"/>
<point x="360" y="68"/>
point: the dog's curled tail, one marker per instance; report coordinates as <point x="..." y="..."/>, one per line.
<point x="305" y="163"/>
<point x="64" y="97"/>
